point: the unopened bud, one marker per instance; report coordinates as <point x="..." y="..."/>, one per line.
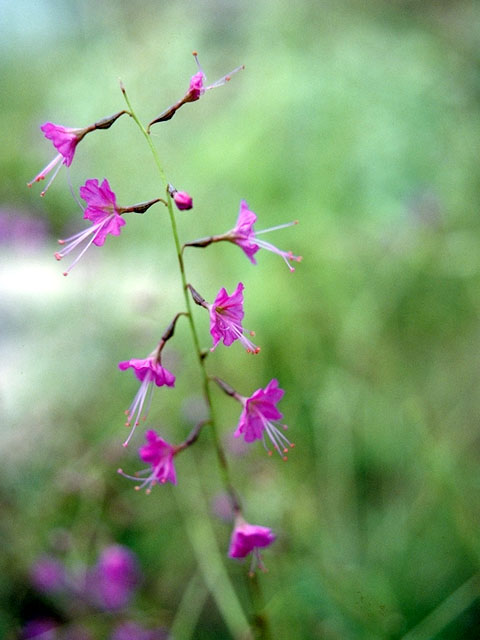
<point x="183" y="200"/>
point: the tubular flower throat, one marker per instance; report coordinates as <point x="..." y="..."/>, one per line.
<point x="102" y="211"/>
<point x="226" y="315"/>
<point x="260" y="416"/>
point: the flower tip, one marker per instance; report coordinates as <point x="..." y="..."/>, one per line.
<point x="125" y="444"/>
<point x="65" y="273"/>
<point x="42" y="193"/>
<point x="194" y="53"/>
<point x="138" y="489"/>
<point x="58" y="256"/>
<point x="120" y="470"/>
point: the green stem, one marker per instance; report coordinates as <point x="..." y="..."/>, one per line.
<point x="200" y="356"/>
<point x="222" y="461"/>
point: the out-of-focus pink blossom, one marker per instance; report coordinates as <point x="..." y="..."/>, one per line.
<point x="41" y="628"/>
<point x="114" y="578"/>
<point x="48" y="574"/>
<point x="249" y="538"/>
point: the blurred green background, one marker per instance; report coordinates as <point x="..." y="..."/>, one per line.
<point x="362" y="121"/>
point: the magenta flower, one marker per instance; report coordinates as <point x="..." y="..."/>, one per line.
<point x="150" y="372"/>
<point x="102" y="210"/>
<point x="247" y="239"/>
<point x="249" y="538"/>
<point x="65" y="140"/>
<point x="196" y="89"/>
<point x="226" y="315"/>
<point x="48" y="574"/>
<point x="182" y="200"/>
<point x="259" y="416"/>
<point x="114" y="578"/>
<point x="159" y="455"/>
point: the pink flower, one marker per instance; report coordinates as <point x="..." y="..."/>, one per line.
<point x="249" y="538"/>
<point x="102" y="210"/>
<point x="246" y="238"/>
<point x="182" y="200"/>
<point x="226" y="315"/>
<point x="259" y="416"/>
<point x="159" y="455"/>
<point x="197" y="88"/>
<point x="48" y="574"/>
<point x="112" y="581"/>
<point x="65" y="140"/>
<point x="150" y="372"/>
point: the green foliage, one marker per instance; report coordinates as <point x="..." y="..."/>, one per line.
<point x="362" y="121"/>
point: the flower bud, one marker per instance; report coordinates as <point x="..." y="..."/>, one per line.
<point x="182" y="200"/>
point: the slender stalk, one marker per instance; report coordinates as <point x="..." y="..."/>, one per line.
<point x="259" y="620"/>
<point x="200" y="356"/>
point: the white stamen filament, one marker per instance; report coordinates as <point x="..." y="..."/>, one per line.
<point x="278" y="439"/>
<point x="78" y="238"/>
<point x="145" y="392"/>
<point x="42" y="193"/>
<point x="279" y="226"/>
<point x="286" y="255"/>
<point x="239" y="333"/>
<point x="224" y="79"/>
<point x="46" y="170"/>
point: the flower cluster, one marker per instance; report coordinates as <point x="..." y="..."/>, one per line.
<point x="259" y="418"/>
